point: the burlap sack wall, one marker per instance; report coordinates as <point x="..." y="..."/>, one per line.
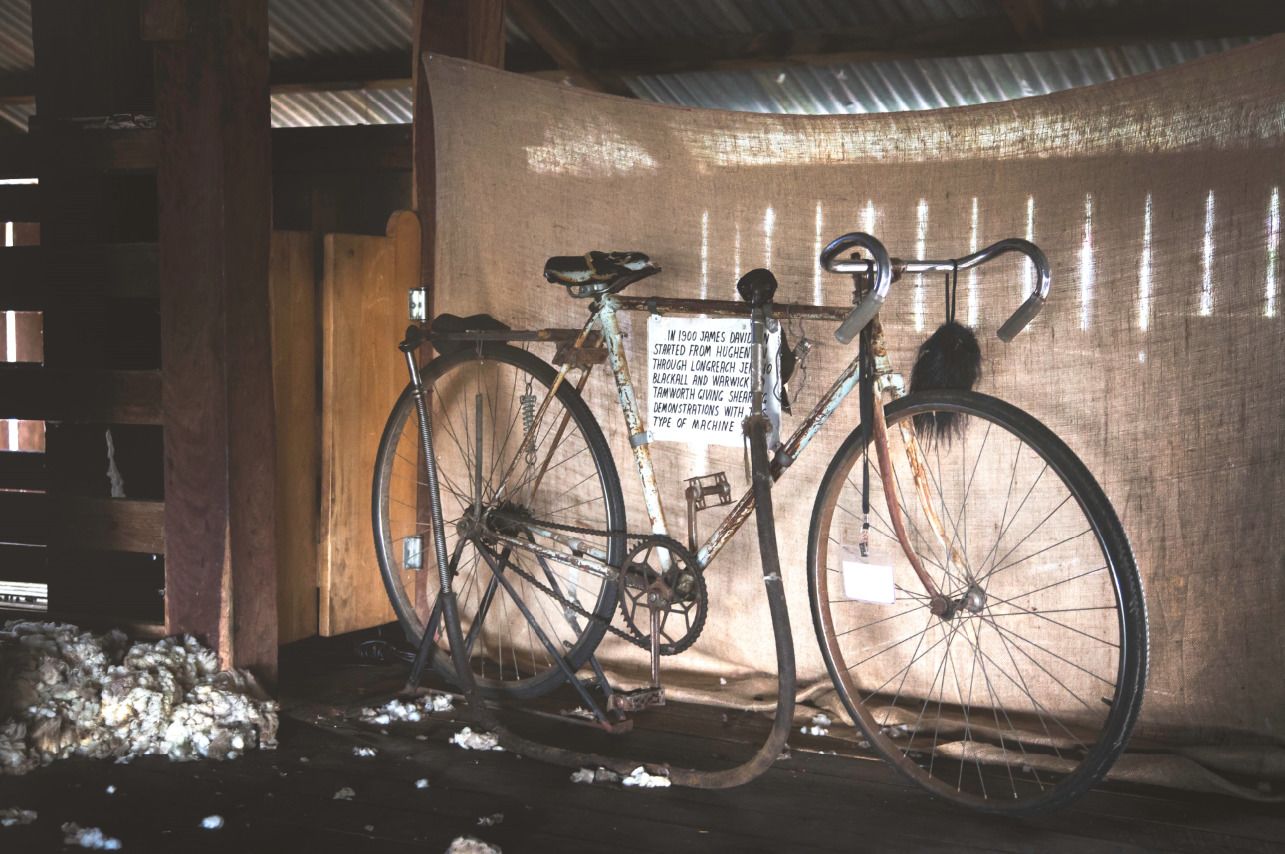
<point x="1158" y="357"/>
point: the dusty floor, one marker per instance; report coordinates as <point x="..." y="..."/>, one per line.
<point x="811" y="801"/>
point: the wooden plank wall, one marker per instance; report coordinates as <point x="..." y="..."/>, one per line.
<point x="293" y="292"/>
<point x="364" y="301"/>
<point x="87" y="386"/>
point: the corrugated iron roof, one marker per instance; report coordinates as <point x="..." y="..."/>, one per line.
<point x="914" y="84"/>
<point x="609" y="22"/>
<point x="304" y="29"/>
<point x="15" y="36"/>
<point x="382" y="106"/>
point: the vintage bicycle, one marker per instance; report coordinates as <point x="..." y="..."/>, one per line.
<point x="974" y="595"/>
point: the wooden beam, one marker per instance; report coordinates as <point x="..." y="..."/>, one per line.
<point x="548" y="29"/>
<point x="40" y="393"/>
<point x="359" y="148"/>
<point x="111" y="524"/>
<point x="1026" y="16"/>
<point x="114" y="270"/>
<point x="214" y="186"/>
<point x="19" y="203"/>
<point x="23" y="562"/>
<point x="17" y="156"/>
<point x="340" y="71"/>
<point x="320" y="149"/>
<point x="22" y="470"/>
<point x="1040" y="30"/>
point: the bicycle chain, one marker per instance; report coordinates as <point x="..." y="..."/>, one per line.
<point x="665" y="542"/>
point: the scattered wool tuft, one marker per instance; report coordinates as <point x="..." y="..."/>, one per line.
<point x="643" y="780"/>
<point x="344" y="794"/>
<point x="591" y="775"/>
<point x="75" y="693"/>
<point x="88" y="837"/>
<point x="490" y="820"/>
<point x="212" y="822"/>
<point x="364" y="752"/>
<point x="470" y="740"/>
<point x="421" y="783"/>
<point x="407" y="710"/>
<point x="16" y="817"/>
<point x="469" y="845"/>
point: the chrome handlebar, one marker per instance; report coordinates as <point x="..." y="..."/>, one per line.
<point x="884" y="268"/>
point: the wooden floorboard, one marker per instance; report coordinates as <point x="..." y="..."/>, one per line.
<point x="808" y="801"/>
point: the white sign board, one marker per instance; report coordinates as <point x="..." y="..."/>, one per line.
<point x="698" y="379"/>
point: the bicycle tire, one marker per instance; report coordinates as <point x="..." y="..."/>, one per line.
<point x="1028" y="771"/>
<point x="412" y="592"/>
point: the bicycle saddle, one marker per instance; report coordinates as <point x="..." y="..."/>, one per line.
<point x="597" y="273"/>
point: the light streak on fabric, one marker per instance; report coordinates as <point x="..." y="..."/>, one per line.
<point x="816" y="256"/>
<point x="1207" y="260"/>
<point x="921" y="243"/>
<point x="1273" y="252"/>
<point x="1144" y="270"/>
<point x="1086" y="264"/>
<point x="973" y="306"/>
<point x="705" y="255"/>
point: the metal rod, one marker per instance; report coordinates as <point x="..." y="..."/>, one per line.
<point x="728" y="308"/>
<point x="549" y="646"/>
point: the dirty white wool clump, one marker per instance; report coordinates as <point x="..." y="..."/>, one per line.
<point x="470" y="740"/>
<point x="74" y="693"/>
<point x="16" y="816"/>
<point x="88" y="837"/>
<point x="470" y="845"/>
<point x="407" y="710"/>
<point x="642" y="779"/>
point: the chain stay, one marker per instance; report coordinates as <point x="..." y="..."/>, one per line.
<point x="660" y="540"/>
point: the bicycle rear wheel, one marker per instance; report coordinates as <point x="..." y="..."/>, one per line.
<point x="1022" y="695"/>
<point x="483" y="403"/>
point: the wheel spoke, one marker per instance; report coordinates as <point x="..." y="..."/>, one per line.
<point x="995" y="701"/>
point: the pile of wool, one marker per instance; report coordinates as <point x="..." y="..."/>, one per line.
<point x="65" y="692"/>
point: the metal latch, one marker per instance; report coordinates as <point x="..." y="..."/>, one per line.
<point x="419" y="304"/>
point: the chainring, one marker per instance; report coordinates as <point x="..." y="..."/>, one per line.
<point x="680" y="592"/>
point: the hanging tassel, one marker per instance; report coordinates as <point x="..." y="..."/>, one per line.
<point x="951" y="358"/>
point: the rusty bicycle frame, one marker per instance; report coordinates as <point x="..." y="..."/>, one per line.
<point x="869" y="275"/>
<point x="873" y="278"/>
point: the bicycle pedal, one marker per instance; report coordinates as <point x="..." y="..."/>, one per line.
<point x="702" y="488"/>
<point x="638" y="699"/>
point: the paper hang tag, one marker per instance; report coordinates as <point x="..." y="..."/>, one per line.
<point x="869" y="579"/>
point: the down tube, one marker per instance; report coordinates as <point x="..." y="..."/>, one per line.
<point x="785" y="456"/>
<point x="639" y="439"/>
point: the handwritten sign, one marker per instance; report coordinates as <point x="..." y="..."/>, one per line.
<point x="698" y="379"/>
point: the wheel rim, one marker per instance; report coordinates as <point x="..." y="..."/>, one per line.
<point x="1015" y="696"/>
<point x="560" y="482"/>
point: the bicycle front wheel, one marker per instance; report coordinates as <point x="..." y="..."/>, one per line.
<point x="1022" y="693"/>
<point x="497" y="461"/>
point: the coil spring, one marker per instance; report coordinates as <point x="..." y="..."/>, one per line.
<point x="528" y="420"/>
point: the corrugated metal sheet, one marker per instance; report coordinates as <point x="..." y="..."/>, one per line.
<point x="16" y="115"/>
<point x="919" y="84"/>
<point x="609" y="22"/>
<point x="345" y="107"/>
<point x="15" y="36"/>
<point x="299" y="29"/>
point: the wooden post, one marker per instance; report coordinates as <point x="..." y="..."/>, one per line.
<point x="471" y="29"/>
<point x="214" y="186"/>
